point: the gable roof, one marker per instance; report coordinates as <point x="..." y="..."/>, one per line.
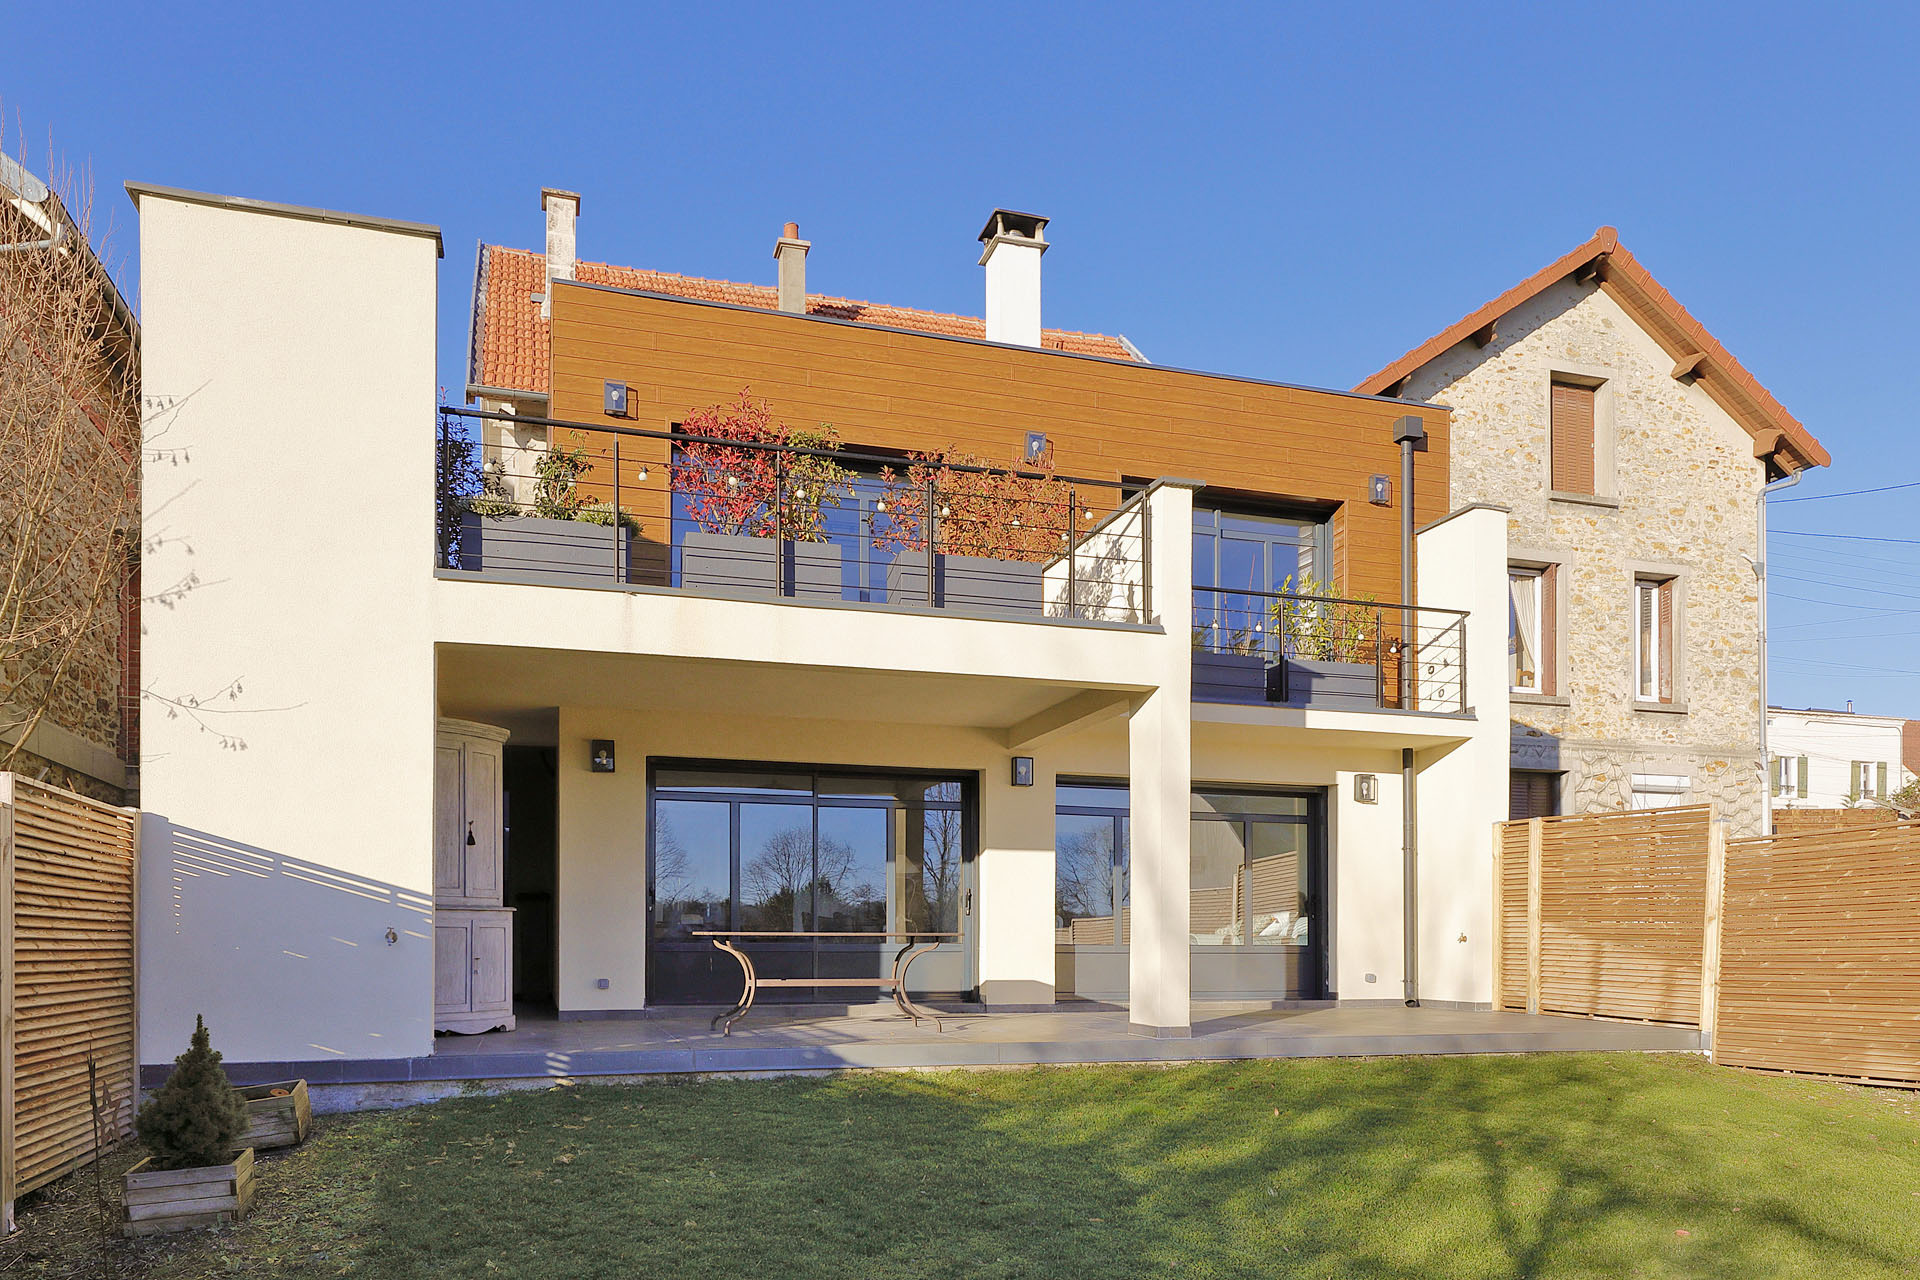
<point x="1696" y="353"/>
<point x="509" y="337"/>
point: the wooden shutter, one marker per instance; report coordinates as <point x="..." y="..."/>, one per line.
<point x="1667" y="646"/>
<point x="1774" y="771"/>
<point x="1571" y="434"/>
<point x="1532" y="794"/>
<point x="1549" y="629"/>
<point x="1880" y="781"/>
<point x="1800" y="779"/>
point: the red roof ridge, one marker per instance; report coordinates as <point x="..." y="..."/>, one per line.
<point x="1671" y="325"/>
<point x="509" y="345"/>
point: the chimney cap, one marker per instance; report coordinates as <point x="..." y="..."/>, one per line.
<point x="547" y="193"/>
<point x="790" y="239"/>
<point x="1007" y="222"/>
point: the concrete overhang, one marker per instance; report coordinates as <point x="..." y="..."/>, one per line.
<point x="1389" y="729"/>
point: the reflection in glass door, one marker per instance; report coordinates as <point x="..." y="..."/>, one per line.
<point x="802" y="852"/>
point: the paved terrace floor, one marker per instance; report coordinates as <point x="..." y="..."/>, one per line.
<point x="809" y="1038"/>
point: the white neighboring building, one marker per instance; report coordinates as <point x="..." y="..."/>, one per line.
<point x="1830" y="759"/>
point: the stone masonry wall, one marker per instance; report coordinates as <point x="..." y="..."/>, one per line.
<point x="1683" y="484"/>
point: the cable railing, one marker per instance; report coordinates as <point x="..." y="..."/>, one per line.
<point x="547" y="501"/>
<point x="1327" y="651"/>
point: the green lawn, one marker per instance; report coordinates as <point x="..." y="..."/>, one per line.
<point x="1597" y="1165"/>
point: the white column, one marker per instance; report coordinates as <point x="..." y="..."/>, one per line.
<point x="1160" y="782"/>
<point x="1461" y="791"/>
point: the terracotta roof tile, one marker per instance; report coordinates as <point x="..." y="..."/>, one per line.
<point x="1670" y="324"/>
<point x="510" y="337"/>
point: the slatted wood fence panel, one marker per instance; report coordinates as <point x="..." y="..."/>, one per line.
<point x="67" y="878"/>
<point x="1510" y="906"/>
<point x="1820" y="956"/>
<point x="1621" y="909"/>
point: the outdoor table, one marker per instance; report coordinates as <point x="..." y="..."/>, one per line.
<point x="918" y="943"/>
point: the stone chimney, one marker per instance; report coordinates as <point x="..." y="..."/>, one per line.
<point x="790" y="251"/>
<point x="1014" y="243"/>
<point x="562" y="209"/>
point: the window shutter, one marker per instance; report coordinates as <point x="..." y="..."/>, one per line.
<point x="1571" y="438"/>
<point x="1880" y="781"/>
<point x="1667" y="646"/>
<point x="1800" y="779"/>
<point x="1549" y="628"/>
<point x="1775" y="770"/>
<point x="1532" y="794"/>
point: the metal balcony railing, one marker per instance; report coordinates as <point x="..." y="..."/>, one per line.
<point x="546" y="501"/>
<point x="1325" y="651"/>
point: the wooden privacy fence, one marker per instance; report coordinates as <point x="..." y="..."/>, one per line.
<point x="1798" y="952"/>
<point x="67" y="876"/>
<point x="1605" y="915"/>
<point x="1820" y="966"/>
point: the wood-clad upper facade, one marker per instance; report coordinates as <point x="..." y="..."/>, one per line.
<point x="1253" y="444"/>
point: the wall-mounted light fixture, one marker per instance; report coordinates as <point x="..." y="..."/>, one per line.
<point x="1366" y="788"/>
<point x="614" y="402"/>
<point x="1036" y="445"/>
<point x="1023" y="771"/>
<point x="1380" y="490"/>
<point x="602" y="759"/>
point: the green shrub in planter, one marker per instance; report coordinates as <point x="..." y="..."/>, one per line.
<point x="194" y="1118"/>
<point x="493" y="506"/>
<point x="602" y="513"/>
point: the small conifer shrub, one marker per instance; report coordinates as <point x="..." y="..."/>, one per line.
<point x="193" y="1120"/>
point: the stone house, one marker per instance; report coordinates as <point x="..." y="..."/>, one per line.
<point x="80" y="572"/>
<point x="1632" y="450"/>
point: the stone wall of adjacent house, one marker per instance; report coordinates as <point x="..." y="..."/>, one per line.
<point x="1683" y="483"/>
<point x="84" y="728"/>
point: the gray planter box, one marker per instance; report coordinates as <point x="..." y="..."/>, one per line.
<point x="1341" y="686"/>
<point x="968" y="584"/>
<point x="1229" y="677"/>
<point x="738" y="562"/>
<point x="534" y="549"/>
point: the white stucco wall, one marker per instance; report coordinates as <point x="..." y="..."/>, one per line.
<point x="1461" y="790"/>
<point x="290" y="494"/>
<point x="1830" y="742"/>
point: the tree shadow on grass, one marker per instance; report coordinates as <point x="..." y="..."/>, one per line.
<point x="1536" y="1167"/>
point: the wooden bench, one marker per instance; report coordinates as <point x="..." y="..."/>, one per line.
<point x="918" y="943"/>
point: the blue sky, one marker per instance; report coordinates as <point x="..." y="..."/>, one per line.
<point x="1291" y="193"/>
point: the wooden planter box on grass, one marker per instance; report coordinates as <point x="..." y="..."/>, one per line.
<point x="272" y="1121"/>
<point x="161" y="1200"/>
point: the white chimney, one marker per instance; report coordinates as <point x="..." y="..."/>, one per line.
<point x="1014" y="243"/>
<point x="790" y="251"/>
<point x="562" y="208"/>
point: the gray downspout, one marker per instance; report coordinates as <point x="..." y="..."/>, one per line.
<point x="1410" y="434"/>
<point x="1760" y="572"/>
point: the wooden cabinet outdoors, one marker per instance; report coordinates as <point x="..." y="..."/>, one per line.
<point x="472" y="933"/>
<point x="473" y="969"/>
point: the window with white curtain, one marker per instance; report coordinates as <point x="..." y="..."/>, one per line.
<point x="1524" y="630"/>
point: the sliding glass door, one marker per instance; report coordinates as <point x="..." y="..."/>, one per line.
<point x="1257" y="904"/>
<point x="787" y="850"/>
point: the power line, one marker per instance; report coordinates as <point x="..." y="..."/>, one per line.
<point x="1843" y="586"/>
<point x="1848" y="537"/>
<point x="1852" y="493"/>
<point x="1880" y="609"/>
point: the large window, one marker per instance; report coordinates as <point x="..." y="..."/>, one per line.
<point x="798" y="852"/>
<point x="1090" y="853"/>
<point x="1237" y="556"/>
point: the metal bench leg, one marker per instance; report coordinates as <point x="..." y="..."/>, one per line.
<point x="750" y="985"/>
<point x="901" y="962"/>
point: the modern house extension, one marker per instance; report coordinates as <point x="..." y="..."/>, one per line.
<point x="1634" y="451"/>
<point x="714" y="620"/>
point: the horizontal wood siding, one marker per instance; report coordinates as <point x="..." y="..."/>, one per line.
<point x="1820" y="960"/>
<point x="1623" y="901"/>
<point x="68" y="893"/>
<point x="893" y="390"/>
